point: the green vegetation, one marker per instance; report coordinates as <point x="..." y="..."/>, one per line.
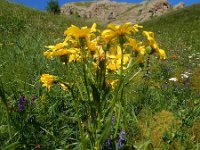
<point x="161" y="113"/>
<point x="53" y="7"/>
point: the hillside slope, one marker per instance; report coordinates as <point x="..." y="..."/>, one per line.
<point x="178" y="32"/>
<point x="24" y="33"/>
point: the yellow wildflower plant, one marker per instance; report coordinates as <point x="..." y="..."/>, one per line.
<point x="47" y="80"/>
<point x="99" y="67"/>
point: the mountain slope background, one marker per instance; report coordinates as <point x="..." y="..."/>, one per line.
<point x="24" y="33"/>
<point x="119" y="12"/>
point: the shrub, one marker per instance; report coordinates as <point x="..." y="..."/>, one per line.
<point x="53" y="7"/>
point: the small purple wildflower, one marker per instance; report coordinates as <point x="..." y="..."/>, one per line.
<point x="22" y="102"/>
<point x="108" y="144"/>
<point x="113" y="119"/>
<point x="121" y="139"/>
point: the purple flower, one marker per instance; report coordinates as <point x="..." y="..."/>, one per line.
<point x="108" y="144"/>
<point x="121" y="139"/>
<point x="21" y="104"/>
<point x="113" y="119"/>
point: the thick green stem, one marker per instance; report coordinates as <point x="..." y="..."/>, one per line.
<point x="84" y="62"/>
<point x="79" y="125"/>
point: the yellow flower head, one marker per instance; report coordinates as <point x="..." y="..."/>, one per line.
<point x="56" y="50"/>
<point x="137" y="46"/>
<point x="151" y="40"/>
<point x="47" y="80"/>
<point x="57" y="46"/>
<point x="112" y="83"/>
<point x="99" y="54"/>
<point x="61" y="52"/>
<point x="115" y="31"/>
<point x="124" y="29"/>
<point x="114" y="60"/>
<point x="136" y="28"/>
<point x="162" y="54"/>
<point x="79" y="33"/>
<point x="153" y="44"/>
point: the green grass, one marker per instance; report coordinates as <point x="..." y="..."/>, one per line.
<point x="24" y="33"/>
<point x="178" y="33"/>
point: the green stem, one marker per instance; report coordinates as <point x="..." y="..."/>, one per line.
<point x="79" y="124"/>
<point x="81" y="131"/>
<point x="117" y="123"/>
<point x="84" y="69"/>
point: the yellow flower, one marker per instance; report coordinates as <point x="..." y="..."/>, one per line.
<point x="124" y="29"/>
<point x="137" y="46"/>
<point x="61" y="52"/>
<point x="107" y="36"/>
<point x="99" y="54"/>
<point x="74" y="57"/>
<point x="153" y="44"/>
<point x="112" y="83"/>
<point x="114" y="60"/>
<point x="162" y="54"/>
<point x="79" y="33"/>
<point x="115" y="31"/>
<point x="57" y="46"/>
<point x="56" y="50"/>
<point x="136" y="28"/>
<point x="92" y="45"/>
<point x="47" y="80"/>
<point x="151" y="40"/>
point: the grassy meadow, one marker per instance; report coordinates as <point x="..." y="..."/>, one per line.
<point x="162" y="108"/>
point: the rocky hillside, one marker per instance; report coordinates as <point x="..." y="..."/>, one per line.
<point x="111" y="11"/>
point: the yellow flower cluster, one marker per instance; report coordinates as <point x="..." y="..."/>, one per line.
<point x="115" y="35"/>
<point x="115" y="45"/>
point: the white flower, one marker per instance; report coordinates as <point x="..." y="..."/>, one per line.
<point x="173" y="79"/>
<point x="187" y="73"/>
<point x="184" y="76"/>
